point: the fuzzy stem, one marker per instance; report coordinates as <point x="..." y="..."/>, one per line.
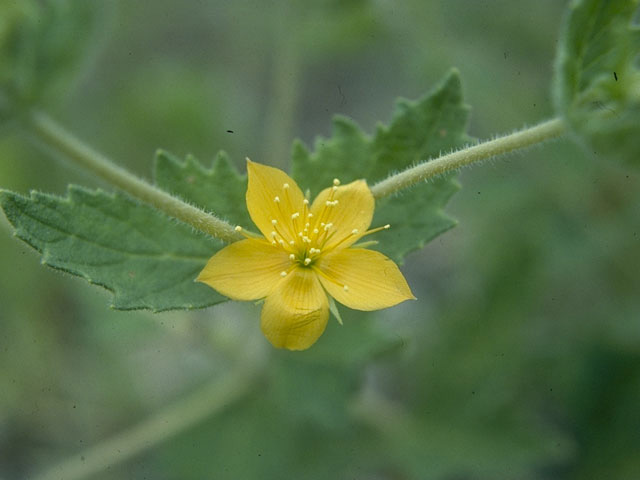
<point x="477" y="153"/>
<point x="53" y="135"/>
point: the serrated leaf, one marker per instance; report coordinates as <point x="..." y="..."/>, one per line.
<point x="220" y="189"/>
<point x="145" y="258"/>
<point x="419" y="130"/>
<point x="597" y="79"/>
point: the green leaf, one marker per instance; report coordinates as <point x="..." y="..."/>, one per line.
<point x="597" y="80"/>
<point x="220" y="189"/>
<point x="145" y="258"/>
<point x="419" y="130"/>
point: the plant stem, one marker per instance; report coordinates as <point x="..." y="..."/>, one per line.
<point x="165" y="424"/>
<point x="53" y="135"/>
<point x="461" y="158"/>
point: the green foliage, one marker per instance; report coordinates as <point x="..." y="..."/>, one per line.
<point x="40" y="44"/>
<point x="96" y="234"/>
<point x="597" y="80"/>
<point x="219" y="189"/>
<point x="147" y="259"/>
<point x="418" y="130"/>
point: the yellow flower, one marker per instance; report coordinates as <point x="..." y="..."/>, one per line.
<point x="303" y="256"/>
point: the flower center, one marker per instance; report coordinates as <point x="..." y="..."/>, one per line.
<point x="305" y="235"/>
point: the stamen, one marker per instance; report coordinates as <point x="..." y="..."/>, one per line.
<point x="305" y="201"/>
<point x="315" y="230"/>
<point x="292" y="257"/>
<point x="336" y="182"/>
<point x="307" y="261"/>
<point x="283" y="274"/>
<point x="328" y="226"/>
<point x="310" y="215"/>
<point x="354" y="231"/>
<point x="387" y="226"/>
<point x="345" y="288"/>
<point x="295" y="215"/>
<point x="276" y="199"/>
<point x="335" y="188"/>
<point x="238" y="228"/>
<point x="285" y="186"/>
<point x="306" y="239"/>
<point x="274" y="221"/>
<point x="292" y="243"/>
<point x="274" y="234"/>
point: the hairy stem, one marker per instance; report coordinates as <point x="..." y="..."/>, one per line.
<point x="52" y="135"/>
<point x="461" y="158"/>
<point x="163" y="425"/>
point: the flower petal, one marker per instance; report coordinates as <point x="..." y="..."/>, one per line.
<point x="353" y="211"/>
<point x="295" y="314"/>
<point x="373" y="281"/>
<point x="268" y="199"/>
<point x="245" y="270"/>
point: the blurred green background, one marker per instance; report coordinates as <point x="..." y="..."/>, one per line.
<point x="521" y="357"/>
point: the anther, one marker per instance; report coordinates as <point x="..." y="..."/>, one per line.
<point x="274" y="234"/>
<point x="238" y="228"/>
<point x="328" y="226"/>
<point x="387" y="226"/>
<point x="307" y="261"/>
<point x="306" y="239"/>
<point x="310" y="215"/>
<point x="305" y="201"/>
<point x="292" y="257"/>
<point x="285" y="186"/>
<point x="354" y="231"/>
<point x="345" y="288"/>
<point x="281" y="242"/>
<point x="334" y="188"/>
<point x="277" y="199"/>
<point x="283" y="274"/>
<point x="292" y="243"/>
<point x="315" y="230"/>
<point x="336" y="182"/>
<point x="274" y="221"/>
<point x="295" y="215"/>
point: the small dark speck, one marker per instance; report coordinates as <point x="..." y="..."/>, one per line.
<point x="82" y="458"/>
<point x="74" y="406"/>
<point x="473" y="392"/>
<point x="551" y="389"/>
<point x="229" y="131"/>
<point x="479" y="193"/>
<point x="615" y="75"/>
<point x="534" y="104"/>
<point x="506" y="54"/>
